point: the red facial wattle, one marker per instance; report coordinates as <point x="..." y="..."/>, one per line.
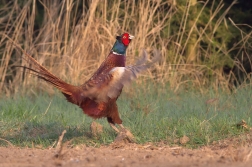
<point x="125" y="39"/>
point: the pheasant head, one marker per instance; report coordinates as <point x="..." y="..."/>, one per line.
<point x="122" y="43"/>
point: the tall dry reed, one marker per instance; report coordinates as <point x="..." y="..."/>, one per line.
<point x="72" y="42"/>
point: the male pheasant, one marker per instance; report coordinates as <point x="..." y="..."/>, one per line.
<point x="97" y="96"/>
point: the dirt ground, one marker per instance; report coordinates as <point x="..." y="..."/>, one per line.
<point x="231" y="153"/>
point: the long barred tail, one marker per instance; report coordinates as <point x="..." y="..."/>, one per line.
<point x="42" y="73"/>
<point x="71" y="92"/>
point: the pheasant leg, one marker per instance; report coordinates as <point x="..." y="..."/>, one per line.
<point x="114" y="127"/>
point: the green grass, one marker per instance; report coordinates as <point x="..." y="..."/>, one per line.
<point x="151" y="114"/>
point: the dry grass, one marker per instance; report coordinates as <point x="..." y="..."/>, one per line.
<point x="72" y="44"/>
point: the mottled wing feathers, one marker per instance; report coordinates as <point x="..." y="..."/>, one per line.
<point x="124" y="75"/>
<point x="109" y="86"/>
<point x="143" y="59"/>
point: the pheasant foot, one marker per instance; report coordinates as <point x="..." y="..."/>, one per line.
<point x="125" y="135"/>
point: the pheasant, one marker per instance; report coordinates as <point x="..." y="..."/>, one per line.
<point x="97" y="96"/>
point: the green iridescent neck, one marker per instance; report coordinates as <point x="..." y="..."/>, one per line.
<point x="119" y="48"/>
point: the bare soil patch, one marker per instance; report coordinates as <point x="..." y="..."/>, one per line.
<point x="230" y="152"/>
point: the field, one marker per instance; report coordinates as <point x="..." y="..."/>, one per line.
<point x="192" y="108"/>
<point x="222" y="155"/>
<point x="180" y="128"/>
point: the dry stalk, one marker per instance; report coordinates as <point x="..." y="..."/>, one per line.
<point x="9" y="143"/>
<point x="60" y="145"/>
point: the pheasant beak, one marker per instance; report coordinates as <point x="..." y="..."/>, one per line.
<point x="131" y="37"/>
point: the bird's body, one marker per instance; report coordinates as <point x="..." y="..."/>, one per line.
<point x="98" y="109"/>
<point x="97" y="96"/>
<point x="103" y="109"/>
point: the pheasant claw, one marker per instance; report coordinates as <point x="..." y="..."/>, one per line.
<point x="125" y="135"/>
